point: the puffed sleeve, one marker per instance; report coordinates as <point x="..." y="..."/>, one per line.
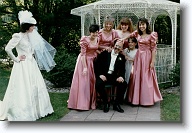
<point x="84" y="45"/>
<point x="16" y="37"/>
<point x="115" y="34"/>
<point x="154" y="37"/>
<point x="134" y="34"/>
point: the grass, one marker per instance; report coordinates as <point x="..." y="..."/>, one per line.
<point x="58" y="100"/>
<point x="59" y="103"/>
<point x="170" y="107"/>
<point x="4" y="78"/>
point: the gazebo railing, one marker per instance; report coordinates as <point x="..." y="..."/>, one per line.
<point x="163" y="63"/>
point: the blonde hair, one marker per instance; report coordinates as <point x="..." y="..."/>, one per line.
<point x="108" y="19"/>
<point x="126" y="21"/>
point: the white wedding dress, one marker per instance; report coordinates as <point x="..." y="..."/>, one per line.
<point x="26" y="97"/>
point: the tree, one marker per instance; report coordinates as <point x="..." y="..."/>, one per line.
<point x="8" y="24"/>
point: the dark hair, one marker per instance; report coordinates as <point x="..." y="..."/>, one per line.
<point x="25" y="26"/>
<point x="144" y="20"/>
<point x="126" y="21"/>
<point x="133" y="39"/>
<point x="93" y="28"/>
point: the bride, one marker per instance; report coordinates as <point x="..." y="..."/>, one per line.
<point x="26" y="97"/>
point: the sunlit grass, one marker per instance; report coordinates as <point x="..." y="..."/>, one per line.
<point x="4" y="79"/>
<point x="59" y="103"/>
<point x="170" y="107"/>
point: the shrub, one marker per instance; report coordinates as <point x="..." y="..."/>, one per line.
<point x="175" y="75"/>
<point x="62" y="73"/>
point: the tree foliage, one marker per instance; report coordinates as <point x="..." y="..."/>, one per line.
<point x="164" y="29"/>
<point x="55" y="23"/>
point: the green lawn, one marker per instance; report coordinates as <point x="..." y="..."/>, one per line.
<point x="170" y="107"/>
<point x="59" y="103"/>
<point x="58" y="100"/>
<point x="4" y="78"/>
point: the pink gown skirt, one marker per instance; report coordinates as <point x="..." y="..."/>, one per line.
<point x="82" y="93"/>
<point x="143" y="87"/>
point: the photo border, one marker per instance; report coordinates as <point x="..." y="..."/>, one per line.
<point x="115" y="127"/>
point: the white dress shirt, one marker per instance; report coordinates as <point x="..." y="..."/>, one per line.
<point x="112" y="63"/>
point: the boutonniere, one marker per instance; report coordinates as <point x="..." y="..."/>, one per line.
<point x="119" y="58"/>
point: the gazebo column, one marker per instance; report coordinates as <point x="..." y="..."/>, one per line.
<point x="173" y="16"/>
<point x="82" y="24"/>
<point x="96" y="19"/>
<point x="99" y="17"/>
<point x="150" y="16"/>
<point x="152" y="24"/>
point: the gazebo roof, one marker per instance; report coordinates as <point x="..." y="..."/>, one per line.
<point x="125" y="4"/>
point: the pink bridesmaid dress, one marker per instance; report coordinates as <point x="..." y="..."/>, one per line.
<point x="143" y="87"/>
<point x="82" y="93"/>
<point x="107" y="40"/>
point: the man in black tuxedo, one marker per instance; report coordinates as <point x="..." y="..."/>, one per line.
<point x="110" y="69"/>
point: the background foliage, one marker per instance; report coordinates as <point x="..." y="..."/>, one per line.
<point x="175" y="75"/>
<point x="61" y="75"/>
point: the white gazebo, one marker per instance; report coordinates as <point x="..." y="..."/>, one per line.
<point x="134" y="9"/>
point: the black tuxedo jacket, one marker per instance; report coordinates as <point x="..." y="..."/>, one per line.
<point x="102" y="64"/>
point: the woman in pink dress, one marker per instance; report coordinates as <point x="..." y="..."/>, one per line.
<point x="82" y="93"/>
<point x="124" y="29"/>
<point x="107" y="35"/>
<point x="144" y="89"/>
